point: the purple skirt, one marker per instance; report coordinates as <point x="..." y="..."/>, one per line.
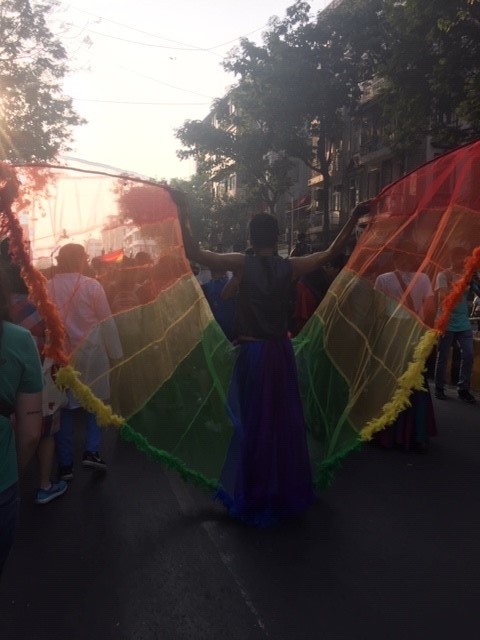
<point x="266" y="477"/>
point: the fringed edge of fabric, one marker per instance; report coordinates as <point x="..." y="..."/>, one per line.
<point x="324" y="473"/>
<point x="35" y="281"/>
<point x="411" y="380"/>
<point x="67" y="377"/>
<point x="170" y="461"/>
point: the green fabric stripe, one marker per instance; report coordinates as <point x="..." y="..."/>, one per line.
<point x="155" y="338"/>
<point x="326" y="400"/>
<point x="186" y="418"/>
<point x="166" y="458"/>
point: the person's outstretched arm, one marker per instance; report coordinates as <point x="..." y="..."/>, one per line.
<point x="193" y="251"/>
<point x="305" y="264"/>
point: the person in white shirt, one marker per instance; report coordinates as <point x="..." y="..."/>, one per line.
<point x="408" y="292"/>
<point x="92" y="341"/>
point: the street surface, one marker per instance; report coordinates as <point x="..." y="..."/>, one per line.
<point x="391" y="551"/>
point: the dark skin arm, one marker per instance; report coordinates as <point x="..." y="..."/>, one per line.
<point x="193" y="251"/>
<point x="303" y="265"/>
<point x="235" y="261"/>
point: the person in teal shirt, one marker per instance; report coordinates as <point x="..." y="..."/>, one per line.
<point x="21" y="384"/>
<point x="459" y="330"/>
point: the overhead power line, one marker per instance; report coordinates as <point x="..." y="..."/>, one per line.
<point x="188" y="47"/>
<point x="160" y="104"/>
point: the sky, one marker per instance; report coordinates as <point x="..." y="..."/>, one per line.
<point x="141" y="68"/>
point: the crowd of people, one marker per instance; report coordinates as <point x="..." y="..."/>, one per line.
<point x="260" y="300"/>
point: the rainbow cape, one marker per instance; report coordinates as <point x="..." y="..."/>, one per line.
<point x="356" y="369"/>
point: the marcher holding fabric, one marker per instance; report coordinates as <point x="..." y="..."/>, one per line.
<point x="266" y="476"/>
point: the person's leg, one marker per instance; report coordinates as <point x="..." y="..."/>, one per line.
<point x="465" y="342"/>
<point x="48" y="490"/>
<point x="443" y="349"/>
<point x="93" y="440"/>
<point x="63" y="439"/>
<point x="45" y="458"/>
<point x="9" y="507"/>
<point x="93" y="433"/>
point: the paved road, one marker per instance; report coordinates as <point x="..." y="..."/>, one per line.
<point x="391" y="551"/>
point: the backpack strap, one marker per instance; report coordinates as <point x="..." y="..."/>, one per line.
<point x="404" y="288"/>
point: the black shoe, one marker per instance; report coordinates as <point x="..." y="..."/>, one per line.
<point x="466" y="396"/>
<point x="92" y="460"/>
<point x="65" y="472"/>
<point x="440" y="394"/>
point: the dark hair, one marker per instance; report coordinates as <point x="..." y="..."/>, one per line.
<point x="11" y="273"/>
<point x="263" y="230"/>
<point x="5" y="250"/>
<point x="70" y="258"/>
<point x="12" y="279"/>
<point x="143" y="258"/>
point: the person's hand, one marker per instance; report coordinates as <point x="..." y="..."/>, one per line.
<point x="361" y="209"/>
<point x="180" y="199"/>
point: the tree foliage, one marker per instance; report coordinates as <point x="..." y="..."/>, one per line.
<point x="215" y="220"/>
<point x="36" y="118"/>
<point x="289" y="90"/>
<point x="233" y="141"/>
<point x="427" y="54"/>
<point x="306" y="78"/>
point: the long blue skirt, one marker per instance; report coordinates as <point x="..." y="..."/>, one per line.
<point x="266" y="477"/>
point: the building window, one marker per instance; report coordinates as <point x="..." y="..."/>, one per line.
<point x="373" y="186"/>
<point x="387" y="172"/>
<point x="337" y="198"/>
<point x="353" y="194"/>
<point x="337" y="156"/>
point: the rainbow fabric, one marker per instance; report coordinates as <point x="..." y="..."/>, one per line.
<point x="356" y="367"/>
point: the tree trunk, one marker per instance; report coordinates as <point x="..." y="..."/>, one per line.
<point x="326" y="210"/>
<point x="324" y="163"/>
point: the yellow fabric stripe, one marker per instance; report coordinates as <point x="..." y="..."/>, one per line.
<point x="156" y="338"/>
<point x="377" y="355"/>
<point x="412" y="379"/>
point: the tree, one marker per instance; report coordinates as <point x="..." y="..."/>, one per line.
<point x="200" y="199"/>
<point x="427" y="54"/>
<point x="36" y="118"/>
<point x="232" y="142"/>
<point x="216" y="220"/>
<point x="297" y="86"/>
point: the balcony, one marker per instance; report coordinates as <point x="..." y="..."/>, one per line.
<point x="315" y="220"/>
<point x="373" y="148"/>
<point x="316" y="179"/>
<point x="371" y="88"/>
